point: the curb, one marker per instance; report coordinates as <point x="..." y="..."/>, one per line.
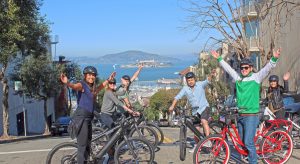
<point x="23" y="138"/>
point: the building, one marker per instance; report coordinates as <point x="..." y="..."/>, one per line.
<point x="261" y="30"/>
<point x="25" y="114"/>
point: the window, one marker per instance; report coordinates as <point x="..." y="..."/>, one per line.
<point x="255" y="58"/>
<point x="251" y="29"/>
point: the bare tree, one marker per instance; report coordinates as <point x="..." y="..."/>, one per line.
<point x="230" y="18"/>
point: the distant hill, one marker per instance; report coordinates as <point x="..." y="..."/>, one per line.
<point x="126" y="57"/>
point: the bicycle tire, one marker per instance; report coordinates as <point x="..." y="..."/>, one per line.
<point x="182" y="142"/>
<point x="272" y="137"/>
<point x="296" y="131"/>
<point x="150" y="134"/>
<point x="158" y="131"/>
<point x="213" y="150"/>
<point x="70" y="155"/>
<point x="140" y="146"/>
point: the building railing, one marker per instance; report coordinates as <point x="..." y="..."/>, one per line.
<point x="246" y="10"/>
<point x="253" y="43"/>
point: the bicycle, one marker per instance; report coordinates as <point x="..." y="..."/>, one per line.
<point x="185" y="122"/>
<point x="129" y="150"/>
<point x="275" y="147"/>
<point x="136" y="129"/>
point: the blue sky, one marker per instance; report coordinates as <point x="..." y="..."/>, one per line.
<point x="100" y="27"/>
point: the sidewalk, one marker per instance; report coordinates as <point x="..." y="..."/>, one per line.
<point x="22" y="138"/>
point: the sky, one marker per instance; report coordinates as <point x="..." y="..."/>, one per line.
<point x="100" y="27"/>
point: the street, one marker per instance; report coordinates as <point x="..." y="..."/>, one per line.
<point x="35" y="151"/>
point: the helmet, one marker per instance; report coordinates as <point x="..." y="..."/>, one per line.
<point x="274" y="78"/>
<point x="189" y="75"/>
<point x="90" y="69"/>
<point x="126" y="77"/>
<point x="246" y="61"/>
<point x="112" y="81"/>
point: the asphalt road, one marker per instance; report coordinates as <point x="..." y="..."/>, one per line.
<point x="35" y="151"/>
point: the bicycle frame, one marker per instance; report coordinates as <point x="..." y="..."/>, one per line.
<point x="118" y="133"/>
<point x="238" y="143"/>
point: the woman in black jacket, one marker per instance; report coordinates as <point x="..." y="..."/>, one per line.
<point x="275" y="94"/>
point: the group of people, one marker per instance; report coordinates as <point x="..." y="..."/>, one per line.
<point x="248" y="86"/>
<point x="115" y="100"/>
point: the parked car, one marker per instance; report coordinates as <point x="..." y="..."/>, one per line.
<point x="60" y="126"/>
<point x="163" y="122"/>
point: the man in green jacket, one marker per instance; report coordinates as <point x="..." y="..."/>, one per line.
<point x="248" y="93"/>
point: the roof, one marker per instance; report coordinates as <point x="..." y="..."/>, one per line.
<point x="185" y="71"/>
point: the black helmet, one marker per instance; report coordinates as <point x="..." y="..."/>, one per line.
<point x="246" y="61"/>
<point x="90" y="69"/>
<point x="274" y="78"/>
<point x="126" y="77"/>
<point x="189" y="75"/>
<point x="112" y="81"/>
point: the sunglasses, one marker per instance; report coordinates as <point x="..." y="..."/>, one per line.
<point x="112" y="83"/>
<point x="244" y="68"/>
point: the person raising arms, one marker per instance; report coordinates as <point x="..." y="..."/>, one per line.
<point x="83" y="115"/>
<point x="248" y="93"/>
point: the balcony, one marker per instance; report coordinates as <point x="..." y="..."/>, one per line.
<point x="246" y="12"/>
<point x="253" y="43"/>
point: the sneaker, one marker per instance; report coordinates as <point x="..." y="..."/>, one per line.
<point x="192" y="149"/>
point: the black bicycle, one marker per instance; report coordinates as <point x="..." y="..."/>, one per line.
<point x="185" y="122"/>
<point x="129" y="150"/>
<point x="137" y="129"/>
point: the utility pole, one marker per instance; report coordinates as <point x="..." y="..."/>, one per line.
<point x="54" y="41"/>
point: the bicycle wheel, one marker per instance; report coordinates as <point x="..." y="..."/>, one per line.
<point x="147" y="132"/>
<point x="212" y="149"/>
<point x="64" y="153"/>
<point x="296" y="130"/>
<point x="182" y="143"/>
<point x="98" y="142"/>
<point x="276" y="147"/>
<point x="158" y="131"/>
<point x="134" y="150"/>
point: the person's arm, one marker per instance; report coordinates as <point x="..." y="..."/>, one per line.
<point x="209" y="78"/>
<point x="286" y="77"/>
<point x="76" y="86"/>
<point x="226" y="66"/>
<point x="116" y="101"/>
<point x="263" y="73"/>
<point x="176" y="98"/>
<point x="135" y="75"/>
<point x="127" y="102"/>
<point x="102" y="85"/>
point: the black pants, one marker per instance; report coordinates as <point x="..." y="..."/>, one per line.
<point x="84" y="141"/>
<point x="280" y="114"/>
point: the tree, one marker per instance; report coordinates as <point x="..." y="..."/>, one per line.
<point x="217" y="88"/>
<point x="9" y="35"/>
<point x="230" y="18"/>
<point x="162" y="100"/>
<point x="22" y="31"/>
<point x="40" y="80"/>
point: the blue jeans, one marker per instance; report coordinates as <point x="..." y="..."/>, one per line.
<point x="247" y="129"/>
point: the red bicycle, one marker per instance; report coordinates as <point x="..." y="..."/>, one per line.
<point x="273" y="145"/>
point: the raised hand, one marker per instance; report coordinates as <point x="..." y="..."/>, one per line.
<point x="112" y="75"/>
<point x="276" y="54"/>
<point x="215" y="54"/>
<point x="63" y="78"/>
<point x="286" y="76"/>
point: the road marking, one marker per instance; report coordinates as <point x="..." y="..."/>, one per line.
<point x="27" y="151"/>
<point x="168" y="140"/>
